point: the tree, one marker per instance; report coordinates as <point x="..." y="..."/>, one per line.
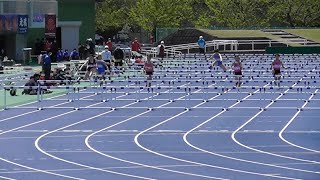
<point x="150" y="14"/>
<point x="295" y="13"/>
<point x="240" y="13"/>
<point x="112" y="14"/>
<point x="202" y="15"/>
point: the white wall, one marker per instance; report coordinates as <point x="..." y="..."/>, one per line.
<point x="19" y="45"/>
<point x="69" y="34"/>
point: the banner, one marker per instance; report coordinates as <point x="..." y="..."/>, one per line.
<point x="50" y="25"/>
<point x="9" y="23"/>
<point x="23" y="24"/>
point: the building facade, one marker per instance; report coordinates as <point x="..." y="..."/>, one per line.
<point x="75" y="22"/>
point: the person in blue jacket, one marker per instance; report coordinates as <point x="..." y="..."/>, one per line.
<point x="74" y="55"/>
<point x="46" y="64"/>
<point x="66" y="55"/>
<point x="60" y="56"/>
<point x="202" y="45"/>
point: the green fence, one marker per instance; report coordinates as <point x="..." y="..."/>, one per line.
<point x="293" y="50"/>
<point x="164" y="32"/>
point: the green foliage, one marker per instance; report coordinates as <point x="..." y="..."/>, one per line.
<point x="236" y="14"/>
<point x="295" y="13"/>
<point x="113" y="14"/>
<point x="152" y="14"/>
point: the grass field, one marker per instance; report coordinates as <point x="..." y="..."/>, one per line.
<point x="237" y="33"/>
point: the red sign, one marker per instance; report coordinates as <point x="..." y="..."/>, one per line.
<point x="50" y="25"/>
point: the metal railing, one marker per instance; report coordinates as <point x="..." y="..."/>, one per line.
<point x="233" y="45"/>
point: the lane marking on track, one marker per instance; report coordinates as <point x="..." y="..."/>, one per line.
<point x="290" y="121"/>
<point x="192" y="162"/>
<point x="105" y="168"/>
<point x="6" y="178"/>
<point x="149" y="110"/>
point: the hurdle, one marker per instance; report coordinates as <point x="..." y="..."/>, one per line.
<point x="185" y="90"/>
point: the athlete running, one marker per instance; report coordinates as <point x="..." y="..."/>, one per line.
<point x="148" y="68"/>
<point x="276" y="66"/>
<point x="237" y="70"/>
<point x="218" y="60"/>
<point x="91" y="66"/>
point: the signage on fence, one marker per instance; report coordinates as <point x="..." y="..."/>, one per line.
<point x="23" y="24"/>
<point x="50" y="25"/>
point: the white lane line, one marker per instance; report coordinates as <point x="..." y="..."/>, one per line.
<point x="36" y="143"/>
<point x="47" y="119"/>
<point x="265" y="152"/>
<point x="38" y="139"/>
<point x="31" y="168"/>
<point x="6" y="178"/>
<point x="144" y="165"/>
<point x="193" y="162"/>
<point x="180" y="152"/>
<point x="105" y="168"/>
<point x="295" y="163"/>
<point x="290" y="121"/>
<point x="140" y="164"/>
<point x="12" y="117"/>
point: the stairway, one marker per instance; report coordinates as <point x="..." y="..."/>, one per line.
<point x="291" y="37"/>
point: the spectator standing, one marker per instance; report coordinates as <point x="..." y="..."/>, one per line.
<point x="135" y="45"/>
<point x="118" y="56"/>
<point x="202" y="45"/>
<point x="161" y="50"/>
<point x="46" y="64"/>
<point x="106" y="56"/>
<point x="109" y="44"/>
<point x="90" y="46"/>
<point x="81" y="50"/>
<point x="54" y="50"/>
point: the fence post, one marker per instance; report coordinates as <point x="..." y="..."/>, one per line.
<point x="5" y="99"/>
<point x="38" y="92"/>
<point x="252" y="45"/>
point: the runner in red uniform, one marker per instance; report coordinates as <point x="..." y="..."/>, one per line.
<point x="276" y="69"/>
<point x="237" y="71"/>
<point x="148" y="68"/>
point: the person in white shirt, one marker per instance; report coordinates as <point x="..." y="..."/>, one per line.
<point x="106" y="56"/>
<point x="161" y="52"/>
